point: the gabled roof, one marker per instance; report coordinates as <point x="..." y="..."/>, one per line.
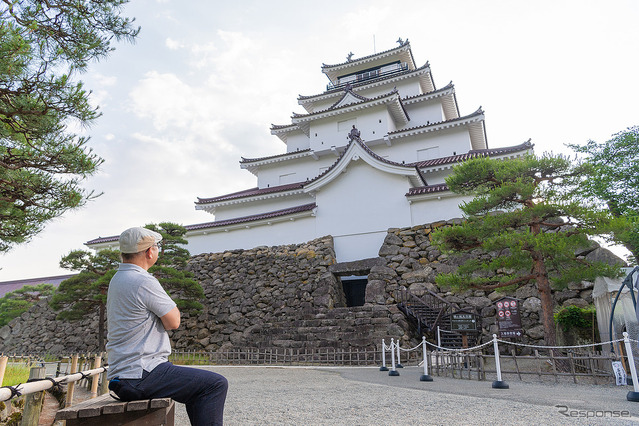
<point x="355" y="149"/>
<point x="391" y="99"/>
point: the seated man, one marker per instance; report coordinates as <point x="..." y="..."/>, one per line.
<point x="139" y="313"/>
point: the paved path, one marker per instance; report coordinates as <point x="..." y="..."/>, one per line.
<point x="366" y="396"/>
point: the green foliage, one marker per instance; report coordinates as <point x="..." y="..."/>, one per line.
<point x="514" y="201"/>
<point x="86" y="291"/>
<point x="170" y="267"/>
<point x="614" y="180"/>
<point x="43" y="45"/>
<point x="574" y="317"/>
<point x="526" y="214"/>
<point x="16" y="374"/>
<point x="15" y="303"/>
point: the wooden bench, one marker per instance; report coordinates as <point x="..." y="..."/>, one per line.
<point x="105" y="410"/>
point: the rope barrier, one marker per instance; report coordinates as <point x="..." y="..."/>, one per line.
<point x="558" y="347"/>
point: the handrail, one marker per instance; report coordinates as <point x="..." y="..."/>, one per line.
<point x="437" y="303"/>
<point x="8" y="392"/>
<point x="400" y="68"/>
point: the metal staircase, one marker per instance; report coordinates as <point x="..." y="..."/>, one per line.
<point x="428" y="313"/>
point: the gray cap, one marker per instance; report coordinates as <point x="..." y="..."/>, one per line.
<point x="138" y="239"/>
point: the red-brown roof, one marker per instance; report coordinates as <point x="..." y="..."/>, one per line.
<point x="252" y="218"/>
<point x="428" y="189"/>
<point x="227" y="222"/>
<point x="286" y="154"/>
<point x="473" y="154"/>
<point x="251" y="192"/>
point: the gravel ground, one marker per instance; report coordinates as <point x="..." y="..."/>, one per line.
<point x="366" y="396"/>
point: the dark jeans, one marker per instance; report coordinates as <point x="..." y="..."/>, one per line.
<point x="203" y="392"/>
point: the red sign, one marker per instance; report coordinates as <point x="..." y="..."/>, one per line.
<point x="508" y="318"/>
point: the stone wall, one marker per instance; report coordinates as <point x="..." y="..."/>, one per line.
<point x="291" y="296"/>
<point x="412" y="262"/>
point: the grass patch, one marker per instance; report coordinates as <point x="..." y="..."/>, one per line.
<point x="16" y="374"/>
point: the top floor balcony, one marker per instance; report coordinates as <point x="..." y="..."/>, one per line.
<point x="368" y="74"/>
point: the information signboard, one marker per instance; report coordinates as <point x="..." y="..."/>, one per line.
<point x="508" y="317"/>
<point x="463" y="321"/>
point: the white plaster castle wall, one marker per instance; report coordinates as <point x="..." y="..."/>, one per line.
<point x="440" y="207"/>
<point x="296" y="141"/>
<point x="411" y="148"/>
<point x="300" y="169"/>
<point x="423" y="112"/>
<point x="288" y="232"/>
<point x="361" y="201"/>
<point x="358" y="246"/>
<point x="262" y="206"/>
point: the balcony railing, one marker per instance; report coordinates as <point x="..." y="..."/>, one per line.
<point x="369" y="75"/>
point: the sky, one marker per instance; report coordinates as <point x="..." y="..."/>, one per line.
<point x="205" y="80"/>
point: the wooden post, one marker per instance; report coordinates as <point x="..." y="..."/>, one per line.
<point x="95" y="379"/>
<point x="74" y="369"/>
<point x="33" y="401"/>
<point x="3" y="367"/>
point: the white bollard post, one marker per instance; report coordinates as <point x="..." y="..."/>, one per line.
<point x="393" y="372"/>
<point x="399" y="363"/>
<point x="632" y="395"/>
<point x="498" y="384"/>
<point x="383" y="367"/>
<point x="439" y="338"/>
<point x="425" y="377"/>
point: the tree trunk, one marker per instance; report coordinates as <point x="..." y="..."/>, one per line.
<point x="547" y="304"/>
<point x="545" y="292"/>
<point x="101" y="347"/>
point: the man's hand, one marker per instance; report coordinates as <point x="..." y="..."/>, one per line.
<point x="171" y="321"/>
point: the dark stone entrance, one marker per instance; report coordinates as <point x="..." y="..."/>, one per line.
<point x="354" y="277"/>
<point x="354" y="290"/>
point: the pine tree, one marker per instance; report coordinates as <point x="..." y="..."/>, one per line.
<point x="170" y="269"/>
<point x="84" y="293"/>
<point x="43" y="46"/>
<point x="524" y="211"/>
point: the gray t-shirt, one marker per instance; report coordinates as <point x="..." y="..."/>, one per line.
<point x="137" y="339"/>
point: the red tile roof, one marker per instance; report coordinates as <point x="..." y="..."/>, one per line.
<point x="251" y="192"/>
<point x="491" y="152"/>
<point x="286" y="154"/>
<point x="216" y="224"/>
<point x="428" y="189"/>
<point x="252" y="218"/>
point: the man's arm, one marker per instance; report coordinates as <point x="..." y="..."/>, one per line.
<point x="171" y="321"/>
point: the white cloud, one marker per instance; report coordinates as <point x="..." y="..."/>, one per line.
<point x="173" y="44"/>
